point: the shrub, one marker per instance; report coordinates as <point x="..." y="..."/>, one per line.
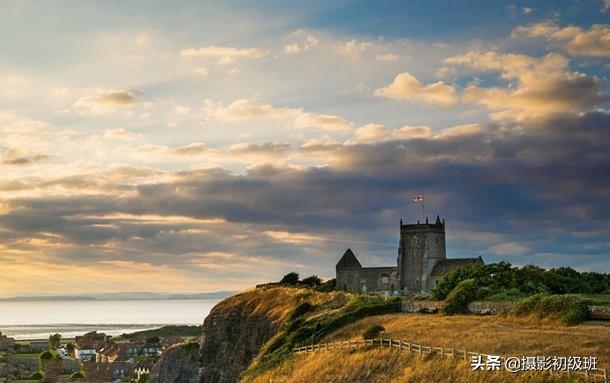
<point x="291" y="278"/>
<point x="46" y="355"/>
<point x="570" y="309"/>
<point x="327" y="286"/>
<point x="458" y="299"/>
<point x="525" y="281"/>
<point x="311" y="281"/>
<point x="373" y="332"/>
<point x="37" y="375"/>
<point x="77" y="375"/>
<point x="301" y="310"/>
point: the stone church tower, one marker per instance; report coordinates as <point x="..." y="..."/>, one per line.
<point x="422" y="262"/>
<point x="421" y="247"/>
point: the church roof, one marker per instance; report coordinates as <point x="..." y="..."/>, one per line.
<point x="348" y="261"/>
<point x="444" y="266"/>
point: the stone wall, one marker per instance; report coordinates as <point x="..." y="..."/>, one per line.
<point x="367" y="279"/>
<point x="428" y="307"/>
<point x="600" y="312"/>
<point x="484" y="308"/>
<point x="489" y="308"/>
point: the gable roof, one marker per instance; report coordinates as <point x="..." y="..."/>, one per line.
<point x="348" y="261"/>
<point x="444" y="266"/>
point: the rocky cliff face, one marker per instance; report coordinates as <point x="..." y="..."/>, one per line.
<point x="232" y="336"/>
<point x="234" y="333"/>
<point x="179" y="364"/>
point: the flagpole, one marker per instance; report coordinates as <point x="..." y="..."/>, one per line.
<point x="423" y="209"/>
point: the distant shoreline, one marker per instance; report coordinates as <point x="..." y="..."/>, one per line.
<point x="123" y="296"/>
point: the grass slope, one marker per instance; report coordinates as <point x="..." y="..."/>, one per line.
<point x="492" y="335"/>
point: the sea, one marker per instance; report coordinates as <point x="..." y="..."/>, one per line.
<point x="39" y="319"/>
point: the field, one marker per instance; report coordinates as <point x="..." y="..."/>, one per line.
<point x="491" y="335"/>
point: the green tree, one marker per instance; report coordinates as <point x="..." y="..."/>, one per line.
<point x="54" y="341"/>
<point x="291" y="278"/>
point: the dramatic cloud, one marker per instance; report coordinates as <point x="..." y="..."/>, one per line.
<point x="371" y="133"/>
<point x="594" y="42"/>
<point x="407" y="88"/>
<point x="224" y="55"/>
<point x="543" y="87"/>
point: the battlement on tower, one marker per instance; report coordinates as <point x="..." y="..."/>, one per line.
<point x="426" y="227"/>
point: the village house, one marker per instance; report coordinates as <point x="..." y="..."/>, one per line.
<point x="122" y="352"/>
<point x="108" y="372"/>
<point x="86" y="346"/>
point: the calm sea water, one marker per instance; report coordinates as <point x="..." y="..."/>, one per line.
<point x="36" y="320"/>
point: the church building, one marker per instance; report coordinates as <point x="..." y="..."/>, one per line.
<point x="422" y="261"/>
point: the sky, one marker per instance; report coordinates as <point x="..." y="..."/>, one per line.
<point x="202" y="146"/>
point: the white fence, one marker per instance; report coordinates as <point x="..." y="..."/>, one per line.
<point x="597" y="374"/>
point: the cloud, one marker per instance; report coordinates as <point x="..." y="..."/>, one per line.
<point x="223" y="54"/>
<point x="405" y="87"/>
<point x="306" y="41"/>
<point x="270" y="148"/>
<point x="292" y="49"/>
<point x="201" y="71"/>
<point x="541" y="87"/>
<point x="106" y="102"/>
<point x="244" y="110"/>
<point x="120" y="134"/>
<point x="354" y="48"/>
<point x="592" y="42"/>
<point x="387" y="57"/>
<point x="372" y="133"/>
<point x="17" y="157"/>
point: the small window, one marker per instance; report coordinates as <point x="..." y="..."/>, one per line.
<point x="385" y="278"/>
<point x="417" y="281"/>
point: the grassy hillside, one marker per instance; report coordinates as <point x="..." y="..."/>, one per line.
<point x="500" y="335"/>
<point x="383" y="365"/>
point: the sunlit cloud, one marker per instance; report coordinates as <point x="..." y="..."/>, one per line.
<point x="406" y="87"/>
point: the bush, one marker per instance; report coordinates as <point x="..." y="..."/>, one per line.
<point x="569" y="309"/>
<point x="327" y="286"/>
<point x="311" y="281"/>
<point x="46" y="355"/>
<point x="291" y="278"/>
<point x="77" y="375"/>
<point x="373" y="332"/>
<point x="458" y="299"/>
<point x="37" y="375"/>
<point x="525" y="281"/>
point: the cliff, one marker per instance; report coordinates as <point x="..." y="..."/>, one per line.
<point x="179" y="364"/>
<point x="238" y="327"/>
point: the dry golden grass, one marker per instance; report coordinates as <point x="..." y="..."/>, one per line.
<point x="490" y="335"/>
<point x="278" y="303"/>
<point x="387" y="365"/>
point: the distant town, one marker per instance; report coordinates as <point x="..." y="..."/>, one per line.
<point x="95" y="355"/>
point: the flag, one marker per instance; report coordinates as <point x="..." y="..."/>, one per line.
<point x="418" y="198"/>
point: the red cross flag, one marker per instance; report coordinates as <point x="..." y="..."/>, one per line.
<point x="418" y="198"/>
